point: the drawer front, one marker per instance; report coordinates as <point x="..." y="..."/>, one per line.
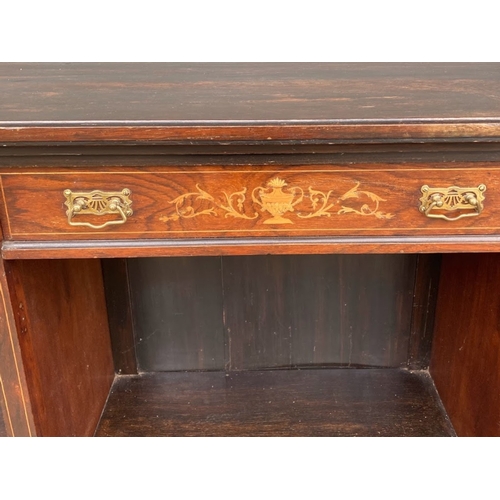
<point x="210" y="202"/>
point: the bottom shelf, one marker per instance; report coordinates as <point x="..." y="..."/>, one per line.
<point x="334" y="402"/>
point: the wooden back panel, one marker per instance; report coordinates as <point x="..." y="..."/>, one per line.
<point x="253" y="312"/>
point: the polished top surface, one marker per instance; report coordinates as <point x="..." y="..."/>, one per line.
<point x="247" y="93"/>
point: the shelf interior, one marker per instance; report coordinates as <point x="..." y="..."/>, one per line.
<point x="314" y="402"/>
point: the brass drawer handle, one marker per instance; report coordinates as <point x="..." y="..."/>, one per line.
<point x="451" y="199"/>
<point x="98" y="203"/>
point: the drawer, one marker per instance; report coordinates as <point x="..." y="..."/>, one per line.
<point x="211" y="202"/>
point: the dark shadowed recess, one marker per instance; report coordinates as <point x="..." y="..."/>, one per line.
<point x="260" y="312"/>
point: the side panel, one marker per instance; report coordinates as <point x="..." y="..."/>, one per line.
<point x="15" y="408"/>
<point x="60" y="311"/>
<point x="465" y="360"/>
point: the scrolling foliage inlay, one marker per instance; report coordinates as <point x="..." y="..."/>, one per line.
<point x="277" y="200"/>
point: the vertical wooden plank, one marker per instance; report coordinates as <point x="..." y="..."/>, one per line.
<point x="177" y="313"/>
<point x="283" y="311"/>
<point x="16" y="404"/>
<point x="256" y="318"/>
<point x="374" y="309"/>
<point x="314" y="305"/>
<point x="465" y="362"/>
<point x="60" y="312"/>
<point x="370" y="296"/>
<point x="424" y="310"/>
<point x="116" y="287"/>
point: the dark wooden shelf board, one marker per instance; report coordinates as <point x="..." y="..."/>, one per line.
<point x="322" y="402"/>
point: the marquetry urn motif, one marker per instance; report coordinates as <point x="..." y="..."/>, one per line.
<point x="276" y="199"/>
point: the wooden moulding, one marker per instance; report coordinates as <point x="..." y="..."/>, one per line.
<point x="367" y="133"/>
<point x="256" y="246"/>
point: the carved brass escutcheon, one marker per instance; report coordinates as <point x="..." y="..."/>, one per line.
<point x="435" y="201"/>
<point x="98" y="203"/>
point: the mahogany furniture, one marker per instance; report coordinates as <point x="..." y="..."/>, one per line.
<point x="250" y="249"/>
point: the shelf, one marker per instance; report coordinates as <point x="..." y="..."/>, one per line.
<point x="320" y="402"/>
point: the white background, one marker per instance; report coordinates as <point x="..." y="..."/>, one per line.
<point x="248" y="468"/>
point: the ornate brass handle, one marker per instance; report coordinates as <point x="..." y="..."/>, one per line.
<point x="98" y="203"/>
<point x="434" y="201"/>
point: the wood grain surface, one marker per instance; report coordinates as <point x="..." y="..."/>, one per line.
<point x="177" y="313"/>
<point x="240" y="313"/>
<point x="428" y="268"/>
<point x="276" y="403"/>
<point x="216" y="102"/>
<point x="3" y="418"/>
<point x="289" y="311"/>
<point x="218" y="202"/>
<point x="117" y="290"/>
<point x="465" y="357"/>
<point x="86" y="249"/>
<point x="258" y="91"/>
<point x="15" y="402"/>
<point x="167" y="130"/>
<point x="62" y="324"/>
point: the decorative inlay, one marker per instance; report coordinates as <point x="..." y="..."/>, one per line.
<point x="185" y="211"/>
<point x="365" y="208"/>
<point x="276" y="199"/>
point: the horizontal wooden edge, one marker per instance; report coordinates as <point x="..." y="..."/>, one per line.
<point x="246" y="246"/>
<point x="370" y="132"/>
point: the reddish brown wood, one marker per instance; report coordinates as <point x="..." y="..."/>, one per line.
<point x="276" y="403"/>
<point x="392" y="127"/>
<point x="465" y="359"/>
<point x="334" y="133"/>
<point x="3" y="420"/>
<point x="61" y="319"/>
<point x="260" y="101"/>
<point x="15" y="403"/>
<point x="327" y="202"/>
<point x="255" y="246"/>
<point x="118" y="305"/>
